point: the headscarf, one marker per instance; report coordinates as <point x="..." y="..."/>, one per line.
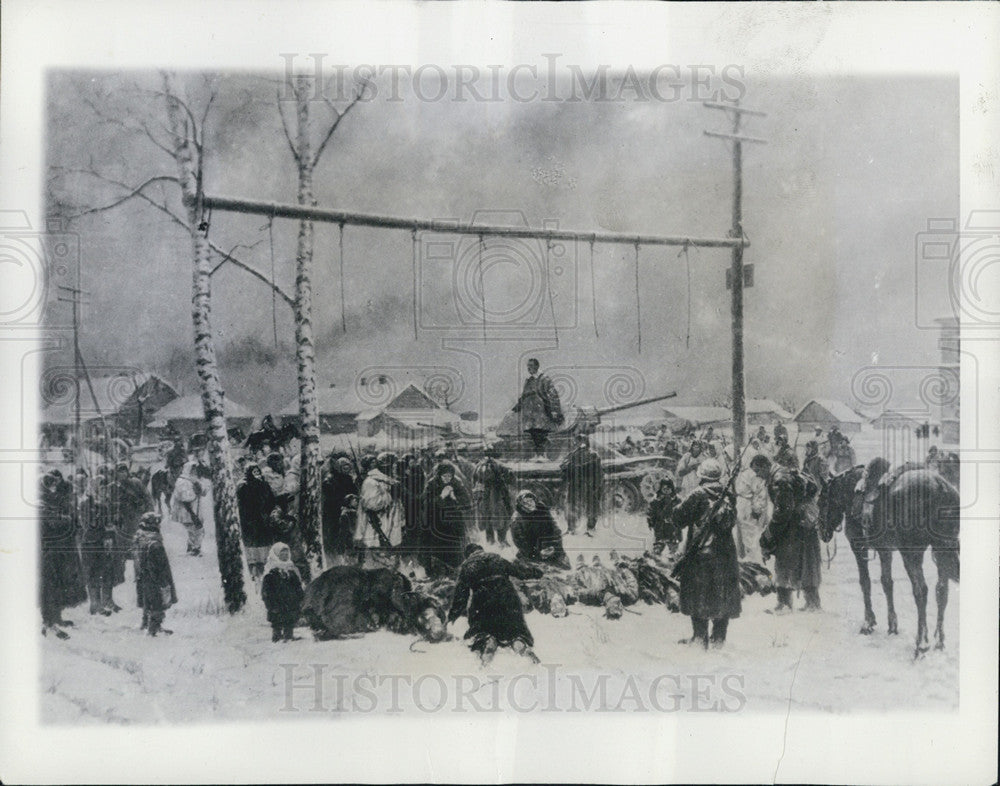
<point x="521" y="497"/>
<point x="381" y="477"/>
<point x="148" y="531"/>
<point x="445" y="467"/>
<point x="669" y="483"/>
<point x="275" y="562"/>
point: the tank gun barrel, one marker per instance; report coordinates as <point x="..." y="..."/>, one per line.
<point x="633" y="404"/>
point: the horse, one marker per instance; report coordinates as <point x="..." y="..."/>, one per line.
<point x="912" y="509"/>
<point x="839" y="504"/>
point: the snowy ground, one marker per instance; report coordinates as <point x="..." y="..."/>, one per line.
<point x="220" y="667"/>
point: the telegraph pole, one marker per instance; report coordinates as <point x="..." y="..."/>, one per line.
<point x="75" y="295"/>
<point x="736" y="267"/>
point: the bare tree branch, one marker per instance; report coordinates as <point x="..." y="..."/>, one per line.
<point x="133" y="193"/>
<point x="252" y="271"/>
<point x="338" y="116"/>
<point x="142" y="128"/>
<point x="232" y="251"/>
<point x="139" y="193"/>
<point x="288" y="136"/>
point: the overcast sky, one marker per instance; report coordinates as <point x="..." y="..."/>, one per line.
<point x="852" y="171"/>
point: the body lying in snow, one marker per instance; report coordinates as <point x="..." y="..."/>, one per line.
<point x="346" y="599"/>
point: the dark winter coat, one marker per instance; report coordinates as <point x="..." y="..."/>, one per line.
<point x="786" y="457"/>
<point x="583" y="475"/>
<point x="282" y="593"/>
<point x="660" y="518"/>
<point x="710" y="578"/>
<point x="154" y="583"/>
<point x="100" y="542"/>
<point x="128" y="500"/>
<point x="539" y="407"/>
<point x="792" y="534"/>
<point x="494" y="609"/>
<point x="256" y="500"/>
<point x="337" y="487"/>
<point x="491" y="493"/>
<point x="533" y="531"/>
<point x="443" y="528"/>
<point x="411" y="487"/>
<point x="62" y="584"/>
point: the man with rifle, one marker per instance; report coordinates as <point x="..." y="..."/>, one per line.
<point x="708" y="570"/>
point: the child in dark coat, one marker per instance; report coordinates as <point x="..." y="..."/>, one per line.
<point x="282" y="592"/>
<point x="154" y="582"/>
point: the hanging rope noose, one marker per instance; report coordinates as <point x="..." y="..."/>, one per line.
<point x="343" y="299"/>
<point x="274" y="294"/>
<point x="638" y="309"/>
<point x="593" y="288"/>
<point x="413" y="238"/>
<point x="482" y="286"/>
<point x="687" y="263"/>
<point x="548" y="286"/>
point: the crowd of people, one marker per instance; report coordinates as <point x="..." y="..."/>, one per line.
<point x="89" y="528"/>
<point x="437" y="509"/>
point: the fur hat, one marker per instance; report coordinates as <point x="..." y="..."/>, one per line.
<point x="150" y="520"/>
<point x="709" y="469"/>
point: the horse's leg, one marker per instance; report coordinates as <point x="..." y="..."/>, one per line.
<point x="864" y="578"/>
<point x="947" y="564"/>
<point x="941" y="597"/>
<point x="913" y="561"/>
<point x="885" y="558"/>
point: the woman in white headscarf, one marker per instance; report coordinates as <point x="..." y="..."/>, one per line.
<point x="282" y="592"/>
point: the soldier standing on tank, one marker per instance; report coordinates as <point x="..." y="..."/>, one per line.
<point x="539" y="408"/>
<point x="583" y="476"/>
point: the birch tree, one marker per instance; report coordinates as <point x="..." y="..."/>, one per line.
<point x="188" y="150"/>
<point x="306" y="160"/>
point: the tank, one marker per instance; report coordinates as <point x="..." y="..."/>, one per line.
<point x="629" y="481"/>
<point x="516" y="445"/>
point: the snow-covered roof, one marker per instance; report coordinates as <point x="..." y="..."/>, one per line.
<point x="758" y="405"/>
<point x="836" y="410"/>
<point x="699" y="415"/>
<point x="111" y="393"/>
<point x="412" y="397"/>
<point x="190" y="408"/>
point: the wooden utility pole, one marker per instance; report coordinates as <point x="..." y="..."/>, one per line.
<point x="739" y="394"/>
